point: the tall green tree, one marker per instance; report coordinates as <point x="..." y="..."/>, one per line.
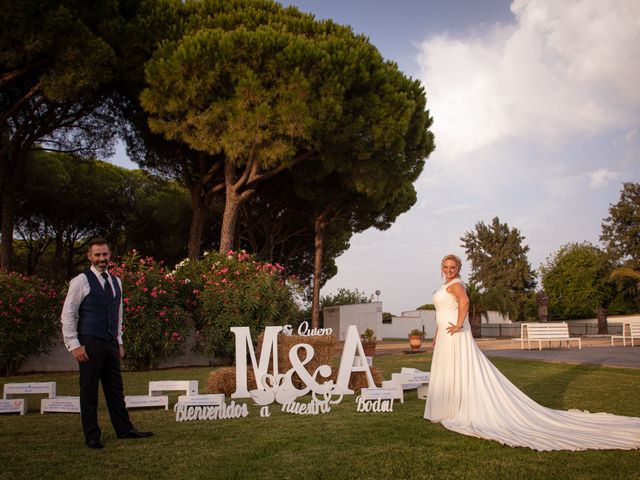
<point x="621" y="229"/>
<point x="73" y="199"/>
<point x="162" y="21"/>
<point x="576" y="279"/>
<point x="279" y="227"/>
<point x="58" y="66"/>
<point x="267" y="88"/>
<point x="499" y="260"/>
<point x="364" y="175"/>
<point x="245" y="101"/>
<point x="67" y="200"/>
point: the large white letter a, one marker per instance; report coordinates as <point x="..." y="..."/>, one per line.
<point x="352" y="345"/>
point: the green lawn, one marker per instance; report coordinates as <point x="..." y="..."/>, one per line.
<point x="340" y="444"/>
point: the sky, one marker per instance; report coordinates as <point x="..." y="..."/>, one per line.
<point x="536" y="107"/>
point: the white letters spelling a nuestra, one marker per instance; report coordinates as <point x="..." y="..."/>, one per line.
<point x="311" y="408"/>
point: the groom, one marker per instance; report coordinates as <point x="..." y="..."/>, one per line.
<point x="92" y="331"/>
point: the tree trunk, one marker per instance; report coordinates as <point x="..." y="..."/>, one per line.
<point x="476" y="325"/>
<point x="12" y="170"/>
<point x="233" y="200"/>
<point x="197" y="221"/>
<point x="8" y="217"/>
<point x="57" y="267"/>
<point x="195" y="233"/>
<point x="603" y="325"/>
<point x="229" y="220"/>
<point x="320" y="227"/>
<point x="543" y="306"/>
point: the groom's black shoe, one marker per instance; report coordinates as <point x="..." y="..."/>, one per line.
<point x="135" y="433"/>
<point x="93" y="443"/>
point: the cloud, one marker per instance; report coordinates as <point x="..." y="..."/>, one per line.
<point x="457" y="209"/>
<point x="631" y="136"/>
<point x="601" y="177"/>
<point x="537" y="122"/>
<point x="561" y="68"/>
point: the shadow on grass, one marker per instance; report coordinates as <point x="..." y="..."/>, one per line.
<point x="546" y="383"/>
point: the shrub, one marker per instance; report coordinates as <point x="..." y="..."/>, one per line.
<point x="155" y="323"/>
<point x="233" y="290"/>
<point x="427" y="306"/>
<point x="368" y="337"/>
<point x="29" y="319"/>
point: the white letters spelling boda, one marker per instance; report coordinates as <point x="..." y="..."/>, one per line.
<point x="374" y="406"/>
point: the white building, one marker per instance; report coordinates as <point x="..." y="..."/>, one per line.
<point x="362" y="315"/>
<point x="423" y="320"/>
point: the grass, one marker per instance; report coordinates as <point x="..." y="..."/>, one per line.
<point x="342" y="444"/>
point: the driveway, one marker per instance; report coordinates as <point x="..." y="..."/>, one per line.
<point x="596" y="350"/>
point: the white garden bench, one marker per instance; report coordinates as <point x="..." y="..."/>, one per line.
<point x="634" y="329"/>
<point x="543" y="332"/>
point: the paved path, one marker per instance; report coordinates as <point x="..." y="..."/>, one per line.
<point x="606" y="356"/>
<point x="595" y="351"/>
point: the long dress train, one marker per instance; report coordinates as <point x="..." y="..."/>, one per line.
<point x="468" y="395"/>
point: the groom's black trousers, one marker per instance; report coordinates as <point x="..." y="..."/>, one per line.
<point x="103" y="366"/>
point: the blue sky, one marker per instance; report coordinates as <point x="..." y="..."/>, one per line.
<point x="536" y="112"/>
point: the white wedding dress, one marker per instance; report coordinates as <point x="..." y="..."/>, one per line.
<point x="468" y="395"/>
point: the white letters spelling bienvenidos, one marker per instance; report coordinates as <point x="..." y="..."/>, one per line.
<point x="185" y="413"/>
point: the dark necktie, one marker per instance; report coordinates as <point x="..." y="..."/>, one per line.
<point x="107" y="285"/>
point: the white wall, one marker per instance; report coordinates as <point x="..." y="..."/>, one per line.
<point x="425" y="320"/>
<point x="362" y="315"/>
<point x="60" y="360"/>
<point x="400" y="327"/>
<point x="495" y="317"/>
<point x="610" y="319"/>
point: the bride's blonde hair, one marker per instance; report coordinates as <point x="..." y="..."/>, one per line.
<point x="455" y="258"/>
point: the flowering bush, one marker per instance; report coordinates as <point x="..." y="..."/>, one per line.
<point x="155" y="323"/>
<point x="233" y="290"/>
<point x="29" y="318"/>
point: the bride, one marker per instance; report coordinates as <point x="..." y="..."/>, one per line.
<point x="468" y="395"/>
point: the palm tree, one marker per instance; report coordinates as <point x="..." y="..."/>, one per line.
<point x="625" y="272"/>
<point x="482" y="301"/>
<point x="631" y="276"/>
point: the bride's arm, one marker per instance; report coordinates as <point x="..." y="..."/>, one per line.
<point x="458" y="291"/>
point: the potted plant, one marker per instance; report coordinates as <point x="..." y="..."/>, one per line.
<point x="369" y="343"/>
<point x="415" y="339"/>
